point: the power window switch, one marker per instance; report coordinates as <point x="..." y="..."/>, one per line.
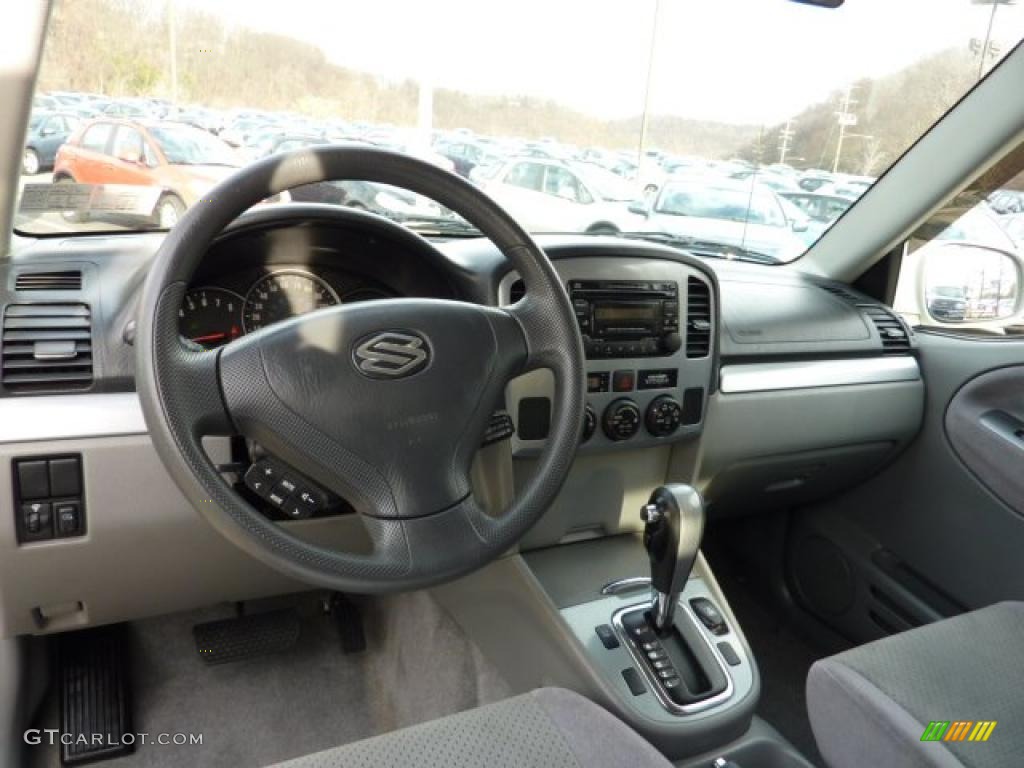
<point x="37" y="520"/>
<point x="33" y="480"/>
<point x="67" y="518"/>
<point x="709" y="615"/>
<point x="607" y="636"/>
<point x="65" y="477"/>
<point x="633" y="681"/>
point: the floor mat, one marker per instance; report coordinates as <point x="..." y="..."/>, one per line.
<point x="419" y="666"/>
<point x="783" y="657"/>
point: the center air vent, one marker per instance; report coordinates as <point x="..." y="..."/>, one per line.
<point x="698" y="318"/>
<point x="70" y="280"/>
<point x="895" y="336"/>
<point x="46" y="348"/>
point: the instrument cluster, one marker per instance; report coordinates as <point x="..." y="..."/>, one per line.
<point x="213" y="315"/>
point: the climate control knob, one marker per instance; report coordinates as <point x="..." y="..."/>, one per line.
<point x="621" y="419"/>
<point x="589" y="424"/>
<point x="664" y="415"/>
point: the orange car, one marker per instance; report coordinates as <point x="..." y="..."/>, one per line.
<point x="184" y="161"/>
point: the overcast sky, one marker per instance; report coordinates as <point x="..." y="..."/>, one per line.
<point x="752" y="61"/>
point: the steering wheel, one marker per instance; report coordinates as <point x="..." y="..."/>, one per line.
<point x="384" y="403"/>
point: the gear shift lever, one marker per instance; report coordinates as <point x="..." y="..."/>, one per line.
<point x="674" y="519"/>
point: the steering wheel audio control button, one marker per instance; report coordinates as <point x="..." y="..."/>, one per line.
<point x="258" y="480"/>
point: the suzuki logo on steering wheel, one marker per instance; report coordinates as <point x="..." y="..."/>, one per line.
<point x="392" y="355"/>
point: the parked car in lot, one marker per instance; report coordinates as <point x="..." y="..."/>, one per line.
<point x="1013" y="223"/>
<point x="46" y="132"/>
<point x="728" y="212"/>
<point x="553" y="196"/>
<point x="820" y="207"/>
<point x="1007" y="201"/>
<point x="382" y="199"/>
<point x="465" y="155"/>
<point x="181" y="159"/>
<point x="948" y="303"/>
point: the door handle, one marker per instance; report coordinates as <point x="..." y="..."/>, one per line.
<point x="1005" y="425"/>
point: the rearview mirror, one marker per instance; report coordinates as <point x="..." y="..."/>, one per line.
<point x="638" y="207"/>
<point x="972" y="284"/>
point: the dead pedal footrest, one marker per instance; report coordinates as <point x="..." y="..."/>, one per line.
<point x="94" y="685"/>
<point x="245" y="637"/>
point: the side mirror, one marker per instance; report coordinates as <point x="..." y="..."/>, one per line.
<point x="639" y="207"/>
<point x="800" y="226"/>
<point x="48" y="131"/>
<point x="969" y="284"/>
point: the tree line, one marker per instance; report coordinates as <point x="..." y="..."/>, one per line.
<point x="121" y="48"/>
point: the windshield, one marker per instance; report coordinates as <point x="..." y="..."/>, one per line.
<point x="184" y="145"/>
<point x="697" y="121"/>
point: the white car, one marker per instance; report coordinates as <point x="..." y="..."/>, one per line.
<point x="553" y="196"/>
<point x="728" y="212"/>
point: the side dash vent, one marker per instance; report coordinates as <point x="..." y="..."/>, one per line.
<point x="698" y="318"/>
<point x="46" y="348"/>
<point x="70" y="280"/>
<point x="895" y="336"/>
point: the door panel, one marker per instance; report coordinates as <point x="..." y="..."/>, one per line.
<point x="985" y="424"/>
<point x="941" y="529"/>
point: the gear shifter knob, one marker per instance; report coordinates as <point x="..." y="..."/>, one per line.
<point x="674" y="519"/>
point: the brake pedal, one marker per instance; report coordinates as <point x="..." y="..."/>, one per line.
<point x="94" y="685"/>
<point x="349" y="622"/>
<point x="245" y="637"/>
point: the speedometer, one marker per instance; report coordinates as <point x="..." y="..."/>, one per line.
<point x="285" y="294"/>
<point x="210" y="317"/>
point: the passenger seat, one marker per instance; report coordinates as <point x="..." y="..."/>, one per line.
<point x="872" y="705"/>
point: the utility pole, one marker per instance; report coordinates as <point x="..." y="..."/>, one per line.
<point x="173" y="34"/>
<point x="785" y="137"/>
<point x="647" y="86"/>
<point x="846" y="118"/>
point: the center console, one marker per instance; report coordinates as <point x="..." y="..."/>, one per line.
<point x="646" y="327"/>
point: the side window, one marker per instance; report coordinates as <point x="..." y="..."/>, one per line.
<point x="562" y="183"/>
<point x="963" y="270"/>
<point x="95" y="139"/>
<point x="128" y="145"/>
<point x="526" y="175"/>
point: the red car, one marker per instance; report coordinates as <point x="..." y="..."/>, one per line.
<point x="184" y="161"/>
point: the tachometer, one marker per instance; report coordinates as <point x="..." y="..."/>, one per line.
<point x="285" y="294"/>
<point x="210" y="317"/>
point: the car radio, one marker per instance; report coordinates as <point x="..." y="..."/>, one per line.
<point x="626" y="318"/>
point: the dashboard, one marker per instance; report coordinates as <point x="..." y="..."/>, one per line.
<point x="762" y="386"/>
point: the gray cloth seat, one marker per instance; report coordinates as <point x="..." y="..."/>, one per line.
<point x="546" y="728"/>
<point x="870" y="706"/>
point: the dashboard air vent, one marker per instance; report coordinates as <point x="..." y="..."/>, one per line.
<point x="516" y="291"/>
<point x="842" y="293"/>
<point x="70" y="280"/>
<point x="895" y="336"/>
<point x="46" y="348"/>
<point x="698" y="318"/>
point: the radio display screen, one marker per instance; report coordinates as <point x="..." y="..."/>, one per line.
<point x="606" y="314"/>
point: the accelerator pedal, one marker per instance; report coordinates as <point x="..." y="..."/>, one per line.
<point x="94" y="686"/>
<point x="245" y="637"/>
